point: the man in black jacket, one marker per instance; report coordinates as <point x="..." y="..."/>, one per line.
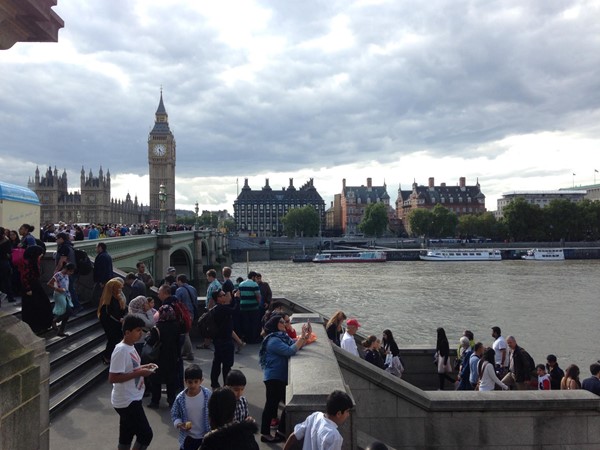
<point x="519" y="370"/>
<point x="103" y="270"/>
<point x="223" y="341"/>
<point x="555" y="372"/>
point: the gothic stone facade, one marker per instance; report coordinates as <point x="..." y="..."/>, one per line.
<point x="92" y="204"/>
<point x="161" y="164"/>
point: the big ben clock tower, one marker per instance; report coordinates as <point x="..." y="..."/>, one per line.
<point x="161" y="162"/>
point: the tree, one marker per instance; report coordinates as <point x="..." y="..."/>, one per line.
<point x="375" y="220"/>
<point x="444" y="222"/>
<point x="302" y="221"/>
<point x="523" y="220"/>
<point x="419" y="222"/>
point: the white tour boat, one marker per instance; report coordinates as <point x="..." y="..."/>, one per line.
<point x="461" y="255"/>
<point x="545" y="254"/>
<point x="358" y="257"/>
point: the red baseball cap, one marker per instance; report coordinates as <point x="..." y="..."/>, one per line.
<point x="352" y="323"/>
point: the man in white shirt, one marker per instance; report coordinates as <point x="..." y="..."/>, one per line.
<point x="501" y="348"/>
<point x="348" y="343"/>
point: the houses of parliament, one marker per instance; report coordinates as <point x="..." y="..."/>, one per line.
<point x="93" y="202"/>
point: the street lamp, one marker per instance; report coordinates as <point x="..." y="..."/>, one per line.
<point x="78" y="216"/>
<point x="162" y="198"/>
<point x="196" y="222"/>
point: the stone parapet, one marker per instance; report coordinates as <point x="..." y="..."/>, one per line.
<point x="24" y="395"/>
<point x="406" y="417"/>
<point x="313" y="375"/>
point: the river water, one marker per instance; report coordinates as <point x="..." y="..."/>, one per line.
<point x="550" y="307"/>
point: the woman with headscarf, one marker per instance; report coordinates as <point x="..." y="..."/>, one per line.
<point x="275" y="351"/>
<point x="139" y="307"/>
<point x="443" y="358"/>
<point x="166" y="331"/>
<point x="36" y="310"/>
<point x="111" y="311"/>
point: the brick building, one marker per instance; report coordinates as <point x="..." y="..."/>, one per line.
<point x="460" y="199"/>
<point x="354" y="200"/>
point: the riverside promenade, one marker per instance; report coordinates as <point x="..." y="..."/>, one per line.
<point x="92" y="423"/>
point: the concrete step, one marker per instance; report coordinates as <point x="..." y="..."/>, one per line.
<point x="88" y="376"/>
<point x="74" y="375"/>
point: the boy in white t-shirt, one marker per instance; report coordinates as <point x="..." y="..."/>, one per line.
<point x="543" y="378"/>
<point x="190" y="410"/>
<point x="127" y="376"/>
<point x="319" y="430"/>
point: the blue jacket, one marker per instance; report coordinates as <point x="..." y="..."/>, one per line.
<point x="275" y="350"/>
<point x="179" y="413"/>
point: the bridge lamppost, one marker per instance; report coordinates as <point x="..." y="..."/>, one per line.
<point x="196" y="222"/>
<point x="78" y="215"/>
<point x="162" y="199"/>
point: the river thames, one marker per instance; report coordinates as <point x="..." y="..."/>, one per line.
<point x="550" y="307"/>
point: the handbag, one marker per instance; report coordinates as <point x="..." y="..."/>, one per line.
<point x="151" y="352"/>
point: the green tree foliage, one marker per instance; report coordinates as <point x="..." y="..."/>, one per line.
<point x="420" y="222"/>
<point x="480" y="225"/>
<point x="302" y="221"/>
<point x="444" y="222"/>
<point x="523" y="220"/>
<point x="375" y="220"/>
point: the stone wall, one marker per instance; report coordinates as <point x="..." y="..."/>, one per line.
<point x="313" y="375"/>
<point x="406" y="417"/>
<point x="24" y="397"/>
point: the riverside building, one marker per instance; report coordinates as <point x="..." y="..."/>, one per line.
<point x="460" y="199"/>
<point x="354" y="201"/>
<point x="540" y="198"/>
<point x="259" y="212"/>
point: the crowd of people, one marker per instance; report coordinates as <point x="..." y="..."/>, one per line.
<point x="502" y="366"/>
<point x="100" y="231"/>
<point x="206" y="418"/>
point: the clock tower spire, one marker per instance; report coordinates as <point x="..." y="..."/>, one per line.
<point x="161" y="162"/>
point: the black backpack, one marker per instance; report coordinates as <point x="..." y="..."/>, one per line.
<point x="207" y="325"/>
<point x="83" y="262"/>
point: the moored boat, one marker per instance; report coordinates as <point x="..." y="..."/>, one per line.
<point x="461" y="255"/>
<point x="545" y="254"/>
<point x="356" y="257"/>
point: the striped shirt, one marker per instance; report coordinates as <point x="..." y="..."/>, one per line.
<point x="248" y="290"/>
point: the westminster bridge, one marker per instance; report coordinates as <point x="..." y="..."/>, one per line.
<point x="190" y="252"/>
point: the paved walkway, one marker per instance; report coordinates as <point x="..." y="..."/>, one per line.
<point x="92" y="423"/>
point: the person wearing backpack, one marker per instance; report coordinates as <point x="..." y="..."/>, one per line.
<point x="223" y="340"/>
<point x="188" y="296"/>
<point x="519" y="372"/>
<point x="65" y="253"/>
<point x="183" y="318"/>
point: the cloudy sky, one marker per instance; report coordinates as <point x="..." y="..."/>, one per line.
<point x="506" y="92"/>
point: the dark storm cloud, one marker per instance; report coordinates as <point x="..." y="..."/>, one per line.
<point x="444" y="77"/>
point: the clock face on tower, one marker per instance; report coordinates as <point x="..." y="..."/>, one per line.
<point x="159" y="149"/>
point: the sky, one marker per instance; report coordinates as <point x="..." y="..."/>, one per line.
<point x="503" y="92"/>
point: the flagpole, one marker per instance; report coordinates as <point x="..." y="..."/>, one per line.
<point x="573" y="180"/>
